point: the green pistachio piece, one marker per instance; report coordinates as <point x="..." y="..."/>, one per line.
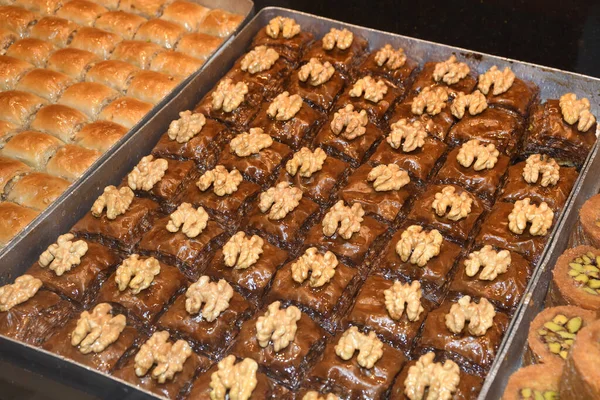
<point x="538" y="395"/>
<point x="573" y="273"/>
<point x="566" y="335"/>
<point x="597" y="260"/>
<point x="578" y="260"/>
<point x="574" y="324"/>
<point x="550" y="395"/>
<point x="590" y="291"/>
<point x="554" y="327"/>
<point x="542" y="332"/>
<point x="576" y="266"/>
<point x="526" y="392"/>
<point x="560" y="319"/>
<point x="586" y="259"/>
<point x="590" y="268"/>
<point x="582" y="278"/>
<point x="594" y="283"/>
<point x="554" y="347"/>
<point x="563" y="354"/>
<point x="590" y="255"/>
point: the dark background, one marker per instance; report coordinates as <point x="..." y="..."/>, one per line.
<point x="562" y="34"/>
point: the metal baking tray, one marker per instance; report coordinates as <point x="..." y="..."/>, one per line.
<point x="57" y="209"/>
<point x="553" y="83"/>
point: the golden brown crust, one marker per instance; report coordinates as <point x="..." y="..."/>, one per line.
<point x="13" y="218"/>
<point x="11" y="70"/>
<point x="17" y="106"/>
<point x="88" y="97"/>
<point x="120" y="22"/>
<point x="81" y="12"/>
<point x="58" y="31"/>
<point x="175" y="63"/>
<point x="151" y="87"/>
<point x="110" y="4"/>
<point x="58" y="120"/>
<point x="37" y="190"/>
<point x="199" y="45"/>
<point x="45" y="83"/>
<point x="565" y="290"/>
<point x="146" y="8"/>
<point x="31" y="147"/>
<point x="100" y="135"/>
<point x="34" y="51"/>
<point x="220" y="23"/>
<point x="7" y="38"/>
<point x="17" y="19"/>
<point x="162" y="32"/>
<point x="95" y="40"/>
<point x="186" y="13"/>
<point x="136" y="52"/>
<point x="126" y="111"/>
<point x="112" y="73"/>
<point x="10" y="169"/>
<point x="71" y="161"/>
<point x="42" y="7"/>
<point x="72" y="62"/>
<point x="7" y="130"/>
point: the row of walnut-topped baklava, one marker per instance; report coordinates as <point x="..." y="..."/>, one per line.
<point x="327" y="223"/>
<point x="76" y="75"/>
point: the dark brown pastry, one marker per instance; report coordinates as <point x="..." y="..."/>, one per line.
<point x="147" y="304"/>
<point x="326" y="303"/>
<point x="495" y="232"/>
<point x="576" y="279"/>
<point x="553" y="332"/>
<point x="251" y="282"/>
<point x="555" y="195"/>
<point x="321" y="185"/>
<point x="589" y="221"/>
<point x="353" y="150"/>
<point x="171" y="388"/>
<point x="214" y="337"/>
<point x="376" y="110"/>
<point x="468" y="386"/>
<point x="188" y="254"/>
<point x="370" y="312"/>
<point x="124" y="231"/>
<point x="395" y="70"/>
<point x="321" y="95"/>
<point x="295" y="131"/>
<point x="288" y="47"/>
<point x="434" y="275"/>
<point x="343" y="59"/>
<point x="425" y="79"/>
<point x="580" y="375"/>
<point x="505" y="290"/>
<point x="533" y="381"/>
<point x="484" y="183"/>
<point x="357" y="250"/>
<point x="473" y="352"/>
<point x="265" y="389"/>
<point x="351" y="379"/>
<point x="550" y="134"/>
<point x="385" y="204"/>
<point x="494" y="125"/>
<point x="424" y="212"/>
<point x="259" y="168"/>
<point x="285" y="232"/>
<point x="36" y="319"/>
<point x="518" y="98"/>
<point x="436" y="125"/>
<point x="82" y="281"/>
<point x="104" y="361"/>
<point x="419" y="163"/>
<point x="290" y="363"/>
<point x="204" y="148"/>
<point x="239" y="117"/>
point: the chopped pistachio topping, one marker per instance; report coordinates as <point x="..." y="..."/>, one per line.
<point x="585" y="272"/>
<point x="559" y="334"/>
<point x="528" y="393"/>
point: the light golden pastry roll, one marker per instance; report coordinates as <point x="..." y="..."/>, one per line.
<point x="17" y="19"/>
<point x="125" y="111"/>
<point x="112" y="73"/>
<point x="88" y="97"/>
<point x="11" y="71"/>
<point x="71" y="161"/>
<point x="100" y="135"/>
<point x="17" y="106"/>
<point x="120" y="22"/>
<point x="36" y="190"/>
<point x="46" y="83"/>
<point x="163" y="33"/>
<point x="220" y="23"/>
<point x="13" y="218"/>
<point x="33" y="51"/>
<point x="97" y="41"/>
<point x="81" y="12"/>
<point x="59" y="120"/>
<point x="199" y="45"/>
<point x="31" y="147"/>
<point x="58" y="31"/>
<point x="151" y="87"/>
<point x="72" y="62"/>
<point x="186" y="13"/>
<point x="136" y="52"/>
<point x="176" y="63"/>
<point x="9" y="170"/>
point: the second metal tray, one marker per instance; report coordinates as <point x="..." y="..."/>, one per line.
<point x="552" y="83"/>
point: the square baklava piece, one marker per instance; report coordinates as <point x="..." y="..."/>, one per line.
<point x="448" y="208"/>
<point x="318" y="83"/>
<point x="142" y="287"/>
<point x="499" y="275"/>
<point x="503" y="89"/>
<point x="285" y="35"/>
<point x="282" y="340"/>
<point x="317" y="283"/>
<point x="123" y="223"/>
<point x="451" y="73"/>
<point x="348" y="233"/>
<point x="381" y="190"/>
<point x="315" y="173"/>
<point x="374" y="95"/>
<point x="210" y="326"/>
<point x="357" y="365"/>
<point x="349" y="135"/>
<point x="390" y="63"/>
<point x="248" y="263"/>
<point x="564" y="129"/>
<point x="376" y="308"/>
<point x="256" y="155"/>
<point x="471" y="342"/>
<point x="340" y="47"/>
<point x="416" y="253"/>
<point x="74" y="268"/>
<point x="187" y="238"/>
<point x="75" y="341"/>
<point x="31" y="315"/>
<point x="429" y="111"/>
